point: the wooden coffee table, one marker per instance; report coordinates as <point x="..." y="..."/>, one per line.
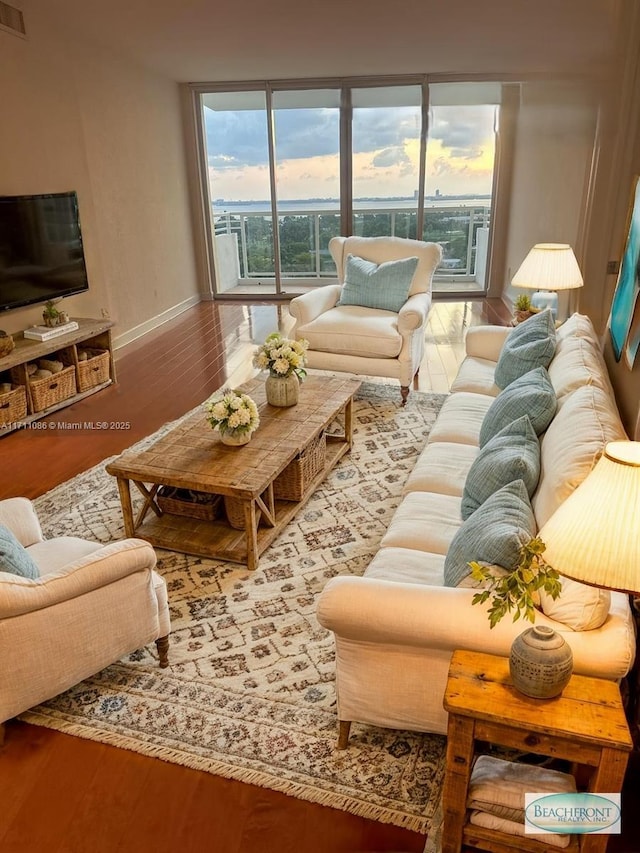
<point x="192" y="456"/>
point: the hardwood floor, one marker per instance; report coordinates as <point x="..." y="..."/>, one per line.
<point x="62" y="794"/>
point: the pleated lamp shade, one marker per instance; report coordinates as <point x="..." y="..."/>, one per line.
<point x="549" y="266"/>
<point x="594" y="536"/>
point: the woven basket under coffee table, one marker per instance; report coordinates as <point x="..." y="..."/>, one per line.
<point x="294" y="480"/>
<point x="188" y="502"/>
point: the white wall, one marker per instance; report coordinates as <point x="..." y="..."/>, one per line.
<point x="77" y="117"/>
<point x="555" y="133"/>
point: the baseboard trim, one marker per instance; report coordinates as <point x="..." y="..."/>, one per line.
<point x="142" y="329"/>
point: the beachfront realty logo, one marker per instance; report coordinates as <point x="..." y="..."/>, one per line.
<point x="597" y="814"/>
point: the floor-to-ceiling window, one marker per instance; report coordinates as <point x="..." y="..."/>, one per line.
<point x="385" y="157"/>
<point x="460" y="165"/>
<point x="286" y="167"/>
<point x="307" y="178"/>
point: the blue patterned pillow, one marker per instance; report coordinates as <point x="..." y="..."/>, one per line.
<point x="372" y="285"/>
<point x="512" y="454"/>
<point x="531" y="394"/>
<point x="531" y="344"/>
<point x="493" y="534"/>
<point x="14" y="557"/>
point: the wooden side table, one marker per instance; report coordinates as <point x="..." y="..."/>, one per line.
<point x="585" y="725"/>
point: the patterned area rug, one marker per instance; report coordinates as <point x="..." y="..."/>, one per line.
<point x="249" y="694"/>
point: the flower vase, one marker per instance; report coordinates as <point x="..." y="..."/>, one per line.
<point x="282" y="390"/>
<point x="540" y="662"/>
<point x="235" y="439"/>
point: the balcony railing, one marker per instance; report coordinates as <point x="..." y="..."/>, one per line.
<point x="245" y="241"/>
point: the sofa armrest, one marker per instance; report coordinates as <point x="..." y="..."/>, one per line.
<point x="430" y="617"/>
<point x="367" y="610"/>
<point x="308" y="306"/>
<point x="20" y="517"/>
<point x="413" y="314"/>
<point x="486" y="341"/>
<point x="105" y="566"/>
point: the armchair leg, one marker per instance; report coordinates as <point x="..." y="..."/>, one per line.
<point x="343" y="734"/>
<point x="404" y="390"/>
<point x="416" y="379"/>
<point x="3" y="731"/>
<point x="162" y="644"/>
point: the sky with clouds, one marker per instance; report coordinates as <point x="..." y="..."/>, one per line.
<point x="386" y="152"/>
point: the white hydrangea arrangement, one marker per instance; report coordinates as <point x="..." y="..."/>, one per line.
<point x="232" y="411"/>
<point x="282" y="356"/>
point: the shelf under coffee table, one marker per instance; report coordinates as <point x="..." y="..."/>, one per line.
<point x="192" y="456"/>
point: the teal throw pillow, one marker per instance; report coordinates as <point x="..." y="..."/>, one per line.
<point x="531" y="394"/>
<point x="14" y="557"/>
<point x="493" y="534"/>
<point x="512" y="454"/>
<point x="530" y="344"/>
<point x="372" y="285"/>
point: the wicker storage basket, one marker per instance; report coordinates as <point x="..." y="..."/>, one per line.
<point x="53" y="389"/>
<point x="13" y="405"/>
<point x="188" y="502"/>
<point x="94" y="370"/>
<point x="234" y="509"/>
<point x="294" y="480"/>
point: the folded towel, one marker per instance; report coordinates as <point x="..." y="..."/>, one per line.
<point x="499" y="786"/>
<point x="510" y="827"/>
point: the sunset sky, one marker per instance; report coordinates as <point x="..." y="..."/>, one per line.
<point x="386" y="148"/>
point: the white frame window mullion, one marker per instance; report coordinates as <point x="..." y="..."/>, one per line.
<point x="275" y="222"/>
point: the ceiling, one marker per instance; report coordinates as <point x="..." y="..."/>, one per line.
<point x="203" y="40"/>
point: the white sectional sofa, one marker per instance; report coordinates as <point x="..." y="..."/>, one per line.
<point x="396" y="627"/>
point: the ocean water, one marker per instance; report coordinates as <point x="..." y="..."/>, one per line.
<point x="221" y="206"/>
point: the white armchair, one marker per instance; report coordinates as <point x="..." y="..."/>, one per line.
<point x="91" y="605"/>
<point x="369" y="341"/>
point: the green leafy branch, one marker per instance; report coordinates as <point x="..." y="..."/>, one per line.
<point x="514" y="591"/>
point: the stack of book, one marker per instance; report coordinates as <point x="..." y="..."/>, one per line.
<point x="45" y="333"/>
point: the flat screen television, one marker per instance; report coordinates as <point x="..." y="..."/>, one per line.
<point x="41" y="254"/>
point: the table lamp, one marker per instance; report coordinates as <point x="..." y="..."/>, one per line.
<point x="594" y="536"/>
<point x="548" y="268"/>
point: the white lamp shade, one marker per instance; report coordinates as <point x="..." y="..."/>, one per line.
<point x="594" y="536"/>
<point x="549" y="266"/>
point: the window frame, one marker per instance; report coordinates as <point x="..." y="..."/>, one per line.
<point x="503" y="158"/>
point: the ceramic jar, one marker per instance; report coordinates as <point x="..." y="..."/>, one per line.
<point x="282" y="390"/>
<point x="540" y="662"/>
<point x="234" y="439"/>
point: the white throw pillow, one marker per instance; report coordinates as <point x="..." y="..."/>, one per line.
<point x="579" y="606"/>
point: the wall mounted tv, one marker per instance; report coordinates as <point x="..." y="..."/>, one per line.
<point x="41" y="254"/>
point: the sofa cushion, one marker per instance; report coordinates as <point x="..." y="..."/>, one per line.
<point x="442" y="467"/>
<point x="531" y="394"/>
<point x="461" y="418"/>
<point x="585" y="421"/>
<point x="384" y="286"/>
<point x="407" y="565"/>
<point x="14" y="558"/>
<point x="424" y="521"/>
<point x="578" y="606"/>
<point x="476" y="375"/>
<point x="531" y="344"/>
<point x="353" y="330"/>
<point x="578" y="362"/>
<point x="512" y="454"/>
<point x="493" y="534"/>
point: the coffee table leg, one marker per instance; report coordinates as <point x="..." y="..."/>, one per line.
<point x="348" y="422"/>
<point x="127" y="509"/>
<point x="251" y="531"/>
